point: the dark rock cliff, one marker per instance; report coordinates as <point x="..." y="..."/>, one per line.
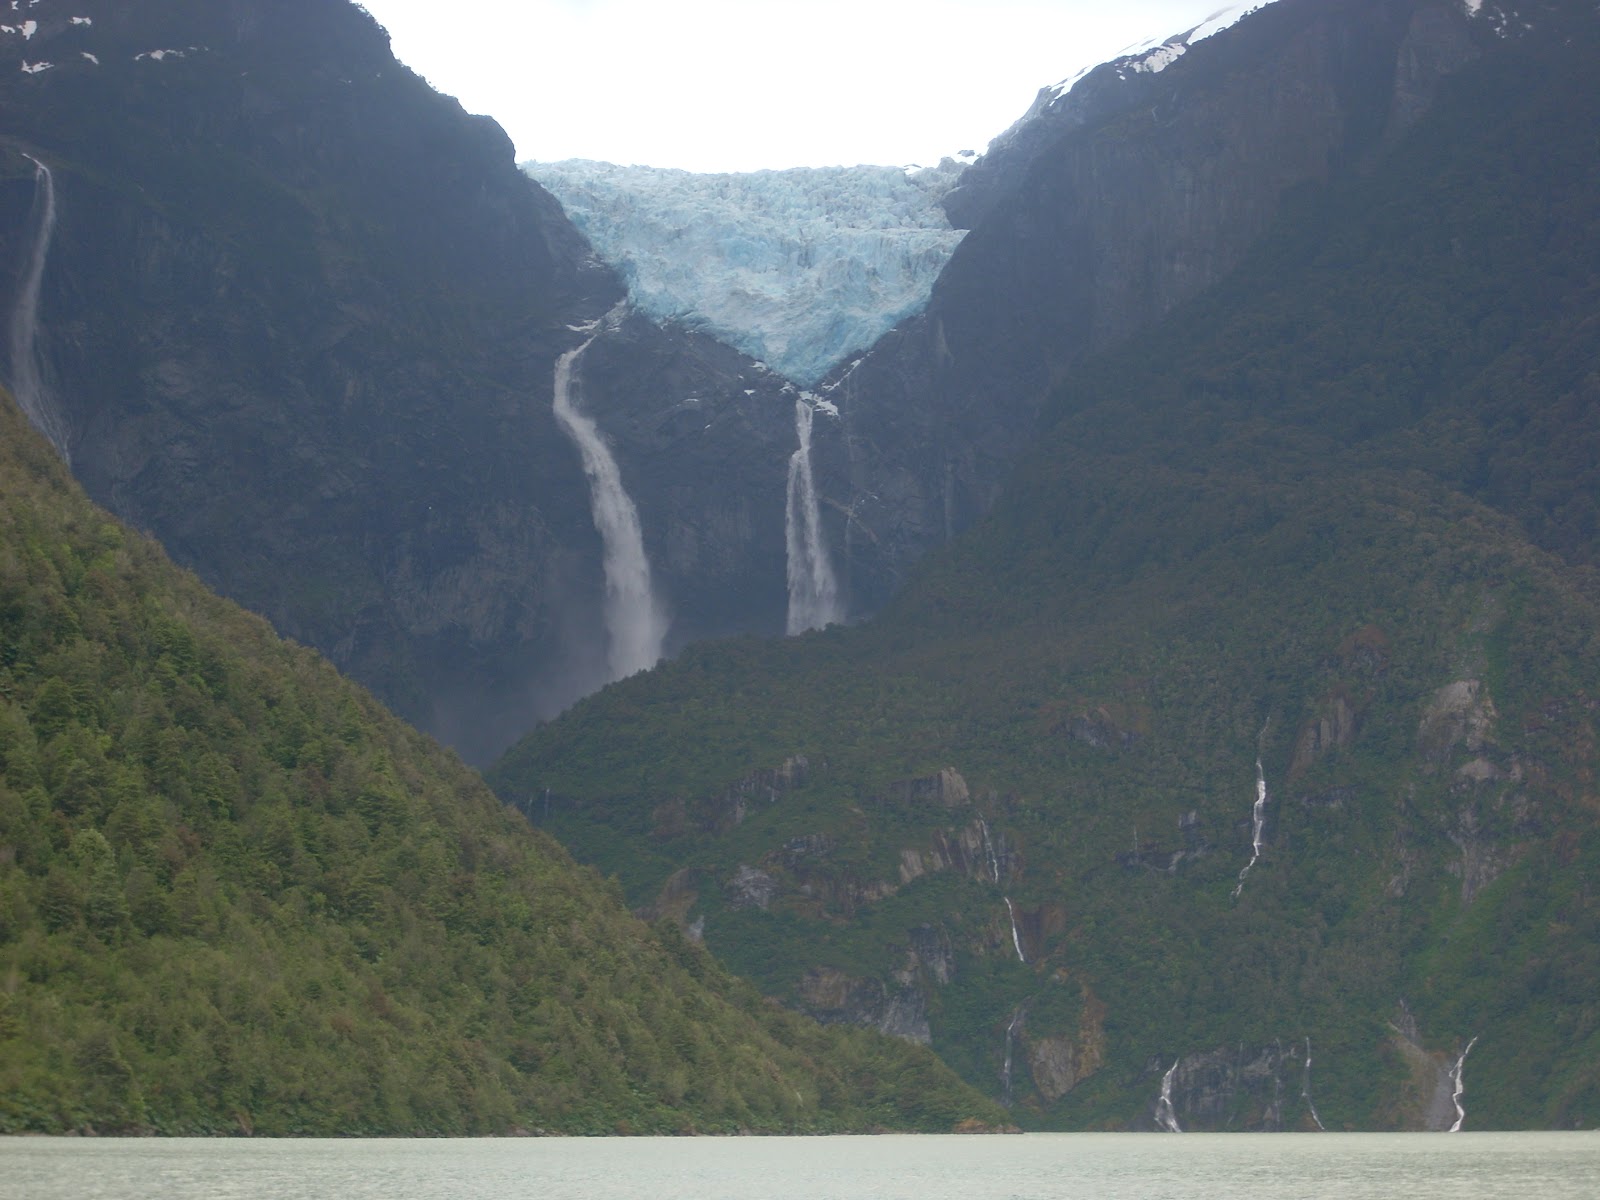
<point x="1098" y="212"/>
<point x="300" y="313"/>
<point x="301" y="316"/>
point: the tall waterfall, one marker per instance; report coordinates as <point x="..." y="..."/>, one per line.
<point x="988" y="846"/>
<point x="813" y="590"/>
<point x="1166" y="1114"/>
<point x="635" y="623"/>
<point x="1258" y="821"/>
<point x="1016" y="938"/>
<point x="1005" y="1072"/>
<point x="1458" y="1089"/>
<point x="1305" y="1090"/>
<point x="27" y="381"/>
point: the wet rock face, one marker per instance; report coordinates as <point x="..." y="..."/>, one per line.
<point x="1426" y="1100"/>
<point x="1460" y="714"/>
<point x="1335" y="727"/>
<point x="1053" y="1063"/>
<point x="751" y="888"/>
<point x="703" y="436"/>
<point x="947" y="789"/>
<point x="931" y="956"/>
<point x="1258" y="1089"/>
<point x="835" y="998"/>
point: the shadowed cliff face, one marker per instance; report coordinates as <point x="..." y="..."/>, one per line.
<point x="1100" y="211"/>
<point x="302" y="316"/>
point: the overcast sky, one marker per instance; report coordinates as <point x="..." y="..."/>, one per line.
<point x="738" y="85"/>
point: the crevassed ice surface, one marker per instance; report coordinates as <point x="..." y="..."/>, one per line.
<point x="796" y="268"/>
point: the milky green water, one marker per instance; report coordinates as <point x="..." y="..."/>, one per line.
<point x="1469" y="1166"/>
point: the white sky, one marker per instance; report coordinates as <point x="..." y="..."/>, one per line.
<point x="739" y="85"/>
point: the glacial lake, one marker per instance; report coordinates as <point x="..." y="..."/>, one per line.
<point x="1466" y="1166"/>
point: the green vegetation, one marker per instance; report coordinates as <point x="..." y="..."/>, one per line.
<point x="1338" y="516"/>
<point x="236" y="895"/>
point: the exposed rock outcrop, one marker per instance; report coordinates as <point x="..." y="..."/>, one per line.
<point x="1335" y="726"/>
<point x="1460" y="714"/>
<point x="1059" y="1062"/>
<point x="751" y="888"/>
<point x="835" y="998"/>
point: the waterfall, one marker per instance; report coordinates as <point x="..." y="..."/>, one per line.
<point x="988" y="846"/>
<point x="1016" y="939"/>
<point x="813" y="590"/>
<point x="1258" y="821"/>
<point x="1305" y="1090"/>
<point x="1458" y="1089"/>
<point x="635" y="624"/>
<point x="1005" y="1073"/>
<point x="27" y="381"/>
<point x="1166" y="1115"/>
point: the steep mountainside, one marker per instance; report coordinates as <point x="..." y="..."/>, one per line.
<point x="236" y="895"/>
<point x="1239" y="771"/>
<point x="1105" y="207"/>
<point x="300" y="317"/>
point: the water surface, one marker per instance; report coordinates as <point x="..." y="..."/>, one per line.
<point x="1472" y="1166"/>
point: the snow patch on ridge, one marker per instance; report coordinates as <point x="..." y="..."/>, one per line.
<point x="1504" y="21"/>
<point x="1158" y="53"/>
<point x="799" y="268"/>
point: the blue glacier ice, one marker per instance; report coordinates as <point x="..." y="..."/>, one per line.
<point x="799" y="268"/>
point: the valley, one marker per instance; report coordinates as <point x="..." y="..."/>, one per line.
<point x="1131" y="666"/>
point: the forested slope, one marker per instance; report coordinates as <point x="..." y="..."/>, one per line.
<point x="237" y="895"/>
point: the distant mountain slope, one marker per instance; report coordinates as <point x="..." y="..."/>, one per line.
<point x="1239" y="771"/>
<point x="238" y="896"/>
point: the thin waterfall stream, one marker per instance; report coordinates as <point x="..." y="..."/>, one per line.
<point x="27" y="378"/>
<point x="1458" y="1088"/>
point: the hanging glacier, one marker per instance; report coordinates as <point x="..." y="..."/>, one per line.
<point x="798" y="268"/>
